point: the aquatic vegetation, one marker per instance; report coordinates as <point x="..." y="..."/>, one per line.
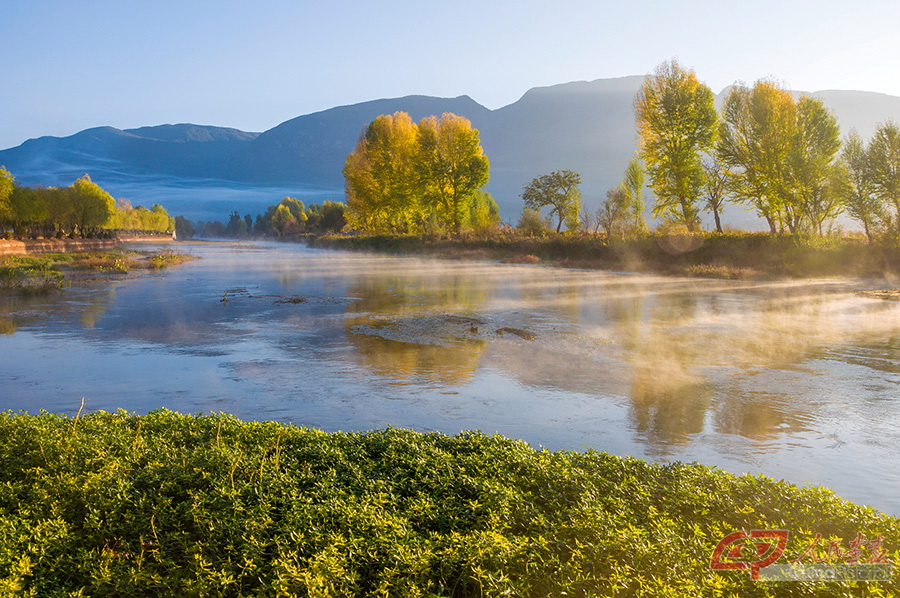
<point x="113" y="504"/>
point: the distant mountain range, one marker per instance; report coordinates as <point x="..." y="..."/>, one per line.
<point x="205" y="172"/>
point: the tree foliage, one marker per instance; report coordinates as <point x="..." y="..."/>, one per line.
<point x="859" y="194"/>
<point x="676" y="122"/>
<point x="715" y="189"/>
<point x="558" y="190"/>
<point x="883" y="168"/>
<point x="615" y="213"/>
<point x="7" y="184"/>
<point x="84" y="208"/>
<point x="407" y="177"/>
<point x="781" y="156"/>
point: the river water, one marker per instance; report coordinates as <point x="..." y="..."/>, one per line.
<point x="796" y="380"/>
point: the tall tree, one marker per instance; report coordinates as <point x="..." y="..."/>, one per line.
<point x="7" y="184"/>
<point x="560" y="191"/>
<point x="883" y="167"/>
<point x="676" y="122"/>
<point x="811" y="187"/>
<point x="633" y="187"/>
<point x="715" y="181"/>
<point x="382" y="182"/>
<point x="614" y="213"/>
<point x="91" y="205"/>
<point x="755" y="140"/>
<point x="859" y="194"/>
<point x="452" y="167"/>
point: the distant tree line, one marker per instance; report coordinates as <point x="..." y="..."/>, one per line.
<point x="83" y="209"/>
<point x="287" y="218"/>
<point x="405" y="177"/>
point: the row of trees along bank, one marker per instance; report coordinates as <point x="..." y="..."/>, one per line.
<point x="82" y="209"/>
<point x="778" y="154"/>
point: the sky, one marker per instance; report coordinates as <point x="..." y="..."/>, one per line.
<point x="66" y="66"/>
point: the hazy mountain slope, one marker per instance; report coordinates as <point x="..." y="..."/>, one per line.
<point x="313" y="148"/>
<point x="587" y="127"/>
<point x="107" y="153"/>
<point x="861" y="110"/>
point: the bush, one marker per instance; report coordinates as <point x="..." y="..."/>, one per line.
<point x="531" y="223"/>
<point x="113" y="504"/>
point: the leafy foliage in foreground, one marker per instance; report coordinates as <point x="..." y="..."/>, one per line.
<point x="167" y="504"/>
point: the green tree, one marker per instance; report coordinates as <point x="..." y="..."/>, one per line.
<point x="60" y="208"/>
<point x="283" y="221"/>
<point x="859" y="196"/>
<point x="236" y="227"/>
<point x="28" y="207"/>
<point x="560" y="191"/>
<point x="715" y="186"/>
<point x="812" y="181"/>
<point x="781" y="155"/>
<point x="484" y="213"/>
<point x="615" y="213"/>
<point x="184" y="229"/>
<point x="754" y="143"/>
<point x="633" y="187"/>
<point x="532" y="223"/>
<point x="883" y="168"/>
<point x="7" y="184"/>
<point x="91" y="205"/>
<point x="331" y="217"/>
<point x="676" y="122"/>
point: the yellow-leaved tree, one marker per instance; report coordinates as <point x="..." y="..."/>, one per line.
<point x="403" y="177"/>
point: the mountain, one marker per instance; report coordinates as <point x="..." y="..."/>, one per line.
<point x="313" y="148"/>
<point x="206" y="172"/>
<point x="182" y="150"/>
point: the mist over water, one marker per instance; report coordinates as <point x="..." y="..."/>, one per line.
<point x="797" y="380"/>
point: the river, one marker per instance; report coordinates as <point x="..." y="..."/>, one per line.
<point x="793" y="379"/>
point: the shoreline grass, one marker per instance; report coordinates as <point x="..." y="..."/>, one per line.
<point x="40" y="274"/>
<point x="729" y="255"/>
<point x="115" y="504"/>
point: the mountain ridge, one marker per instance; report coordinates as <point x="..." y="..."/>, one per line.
<point x="585" y="126"/>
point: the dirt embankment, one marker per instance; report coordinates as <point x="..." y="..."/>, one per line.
<point x="13" y="247"/>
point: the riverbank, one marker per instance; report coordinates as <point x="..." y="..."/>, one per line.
<point x="47" y="272"/>
<point x="113" y="504"/>
<point x="729" y="255"/>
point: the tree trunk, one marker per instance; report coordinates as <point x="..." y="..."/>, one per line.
<point x="771" y="222"/>
<point x="718" y="222"/>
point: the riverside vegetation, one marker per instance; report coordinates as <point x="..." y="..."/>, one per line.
<point x="115" y="504"/>
<point x="44" y="273"/>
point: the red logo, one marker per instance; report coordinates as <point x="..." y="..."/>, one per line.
<point x="749" y="550"/>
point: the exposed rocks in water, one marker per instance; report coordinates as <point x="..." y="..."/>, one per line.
<point x="439" y="329"/>
<point x="291" y="300"/>
<point x="523" y="334"/>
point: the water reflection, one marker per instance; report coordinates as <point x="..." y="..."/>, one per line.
<point x="722" y="372"/>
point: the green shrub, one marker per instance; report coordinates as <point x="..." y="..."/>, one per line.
<point x="113" y="504"/>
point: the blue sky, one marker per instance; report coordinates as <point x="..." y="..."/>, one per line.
<point x="69" y="65"/>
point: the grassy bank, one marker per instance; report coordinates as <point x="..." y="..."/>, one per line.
<point x="174" y="505"/>
<point x="48" y="272"/>
<point x="730" y="255"/>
